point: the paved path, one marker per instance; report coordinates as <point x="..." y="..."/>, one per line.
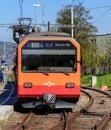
<point x="8" y="97"/>
<point x="8" y="94"/>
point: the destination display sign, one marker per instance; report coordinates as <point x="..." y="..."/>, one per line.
<point x="48" y="45"/>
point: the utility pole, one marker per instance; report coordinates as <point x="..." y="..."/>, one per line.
<point x="4" y="50"/>
<point x="72" y="22"/>
<point x="35" y="13"/>
<point x="43" y="10"/>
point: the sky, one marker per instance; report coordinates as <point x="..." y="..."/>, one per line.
<point x="10" y="12"/>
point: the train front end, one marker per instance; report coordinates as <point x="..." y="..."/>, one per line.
<point x="49" y="71"/>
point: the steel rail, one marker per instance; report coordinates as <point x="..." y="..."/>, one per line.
<point x="98" y="90"/>
<point x="24" y="122"/>
<point x="101" y="125"/>
<point x="90" y="100"/>
<point x="65" y="124"/>
<point x="103" y="122"/>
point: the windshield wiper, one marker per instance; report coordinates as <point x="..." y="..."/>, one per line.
<point x="44" y="73"/>
<point x="65" y="73"/>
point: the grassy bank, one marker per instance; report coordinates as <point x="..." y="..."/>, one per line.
<point x="101" y="80"/>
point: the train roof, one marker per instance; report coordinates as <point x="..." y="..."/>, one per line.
<point x="48" y="34"/>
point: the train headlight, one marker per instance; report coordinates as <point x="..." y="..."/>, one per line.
<point x="70" y="85"/>
<point x="28" y="85"/>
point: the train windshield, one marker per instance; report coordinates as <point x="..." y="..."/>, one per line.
<point x="49" y="56"/>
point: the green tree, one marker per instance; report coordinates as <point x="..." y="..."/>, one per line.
<point x="82" y="26"/>
<point x="83" y="29"/>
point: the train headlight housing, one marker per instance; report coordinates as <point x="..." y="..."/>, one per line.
<point x="70" y="85"/>
<point x="28" y="85"/>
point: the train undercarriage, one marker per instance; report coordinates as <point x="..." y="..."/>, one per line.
<point x="50" y="101"/>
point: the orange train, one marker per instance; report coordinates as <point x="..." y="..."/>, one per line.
<point x="48" y="70"/>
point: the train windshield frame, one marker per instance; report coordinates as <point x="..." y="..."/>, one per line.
<point x="49" y="56"/>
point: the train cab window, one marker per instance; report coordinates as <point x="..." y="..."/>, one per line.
<point x="49" y="56"/>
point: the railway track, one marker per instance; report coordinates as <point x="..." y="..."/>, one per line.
<point x="31" y="121"/>
<point x="92" y="112"/>
<point x="88" y="117"/>
<point x="67" y="123"/>
<point x="97" y="115"/>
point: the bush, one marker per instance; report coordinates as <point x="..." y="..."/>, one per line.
<point x="104" y="80"/>
<point x="101" y="80"/>
<point x="86" y="80"/>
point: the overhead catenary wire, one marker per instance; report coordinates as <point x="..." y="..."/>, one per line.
<point x="78" y="2"/>
<point x="102" y="15"/>
<point x="100" y="7"/>
<point x="21" y="8"/>
<point x="43" y="12"/>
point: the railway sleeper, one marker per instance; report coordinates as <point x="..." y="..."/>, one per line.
<point x="85" y="112"/>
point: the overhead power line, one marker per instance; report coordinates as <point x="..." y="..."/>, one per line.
<point x="78" y="1"/>
<point x="102" y="15"/>
<point x="21" y="8"/>
<point x="100" y="7"/>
